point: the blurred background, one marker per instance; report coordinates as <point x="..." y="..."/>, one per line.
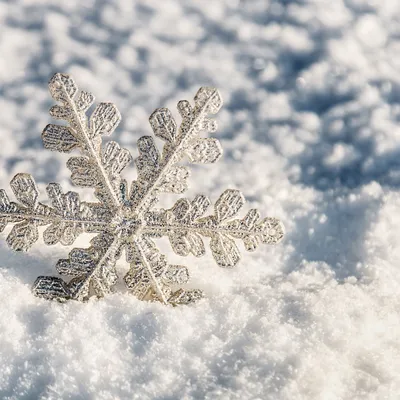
<point x="311" y="135"/>
<point x="311" y="94"/>
<point x="316" y="80"/>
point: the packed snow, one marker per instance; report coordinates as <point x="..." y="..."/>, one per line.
<point x="311" y="135"/>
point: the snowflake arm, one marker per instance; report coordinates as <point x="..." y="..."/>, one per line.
<point x="98" y="168"/>
<point x="92" y="271"/>
<point x="159" y="173"/>
<point x="67" y="216"/>
<point x="151" y="277"/>
<point x="185" y="225"/>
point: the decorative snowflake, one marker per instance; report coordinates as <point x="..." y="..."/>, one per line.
<point x="124" y="218"/>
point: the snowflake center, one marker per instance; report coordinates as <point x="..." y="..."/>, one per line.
<point x="127" y="224"/>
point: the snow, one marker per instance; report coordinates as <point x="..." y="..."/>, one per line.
<point x="310" y="130"/>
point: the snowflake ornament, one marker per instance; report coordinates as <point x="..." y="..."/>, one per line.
<point x="125" y="218"/>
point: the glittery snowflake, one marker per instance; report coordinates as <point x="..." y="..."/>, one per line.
<point x="124" y="217"/>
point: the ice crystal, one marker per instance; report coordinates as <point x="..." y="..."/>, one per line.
<point x="124" y="218"/>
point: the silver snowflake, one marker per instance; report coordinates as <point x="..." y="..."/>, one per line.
<point x="124" y="218"/>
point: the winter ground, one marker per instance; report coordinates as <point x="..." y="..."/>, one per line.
<point x="311" y="134"/>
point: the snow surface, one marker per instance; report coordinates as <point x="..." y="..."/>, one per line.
<point x="311" y="135"/>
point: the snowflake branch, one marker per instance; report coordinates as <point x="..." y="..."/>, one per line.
<point x="94" y="154"/>
<point x="151" y="277"/>
<point x="21" y="215"/>
<point x="67" y="215"/>
<point x="185" y="225"/>
<point x="154" y="229"/>
<point x="203" y="150"/>
<point x="98" y="275"/>
<point x="93" y="270"/>
<point x="154" y="282"/>
<point x="98" y="170"/>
